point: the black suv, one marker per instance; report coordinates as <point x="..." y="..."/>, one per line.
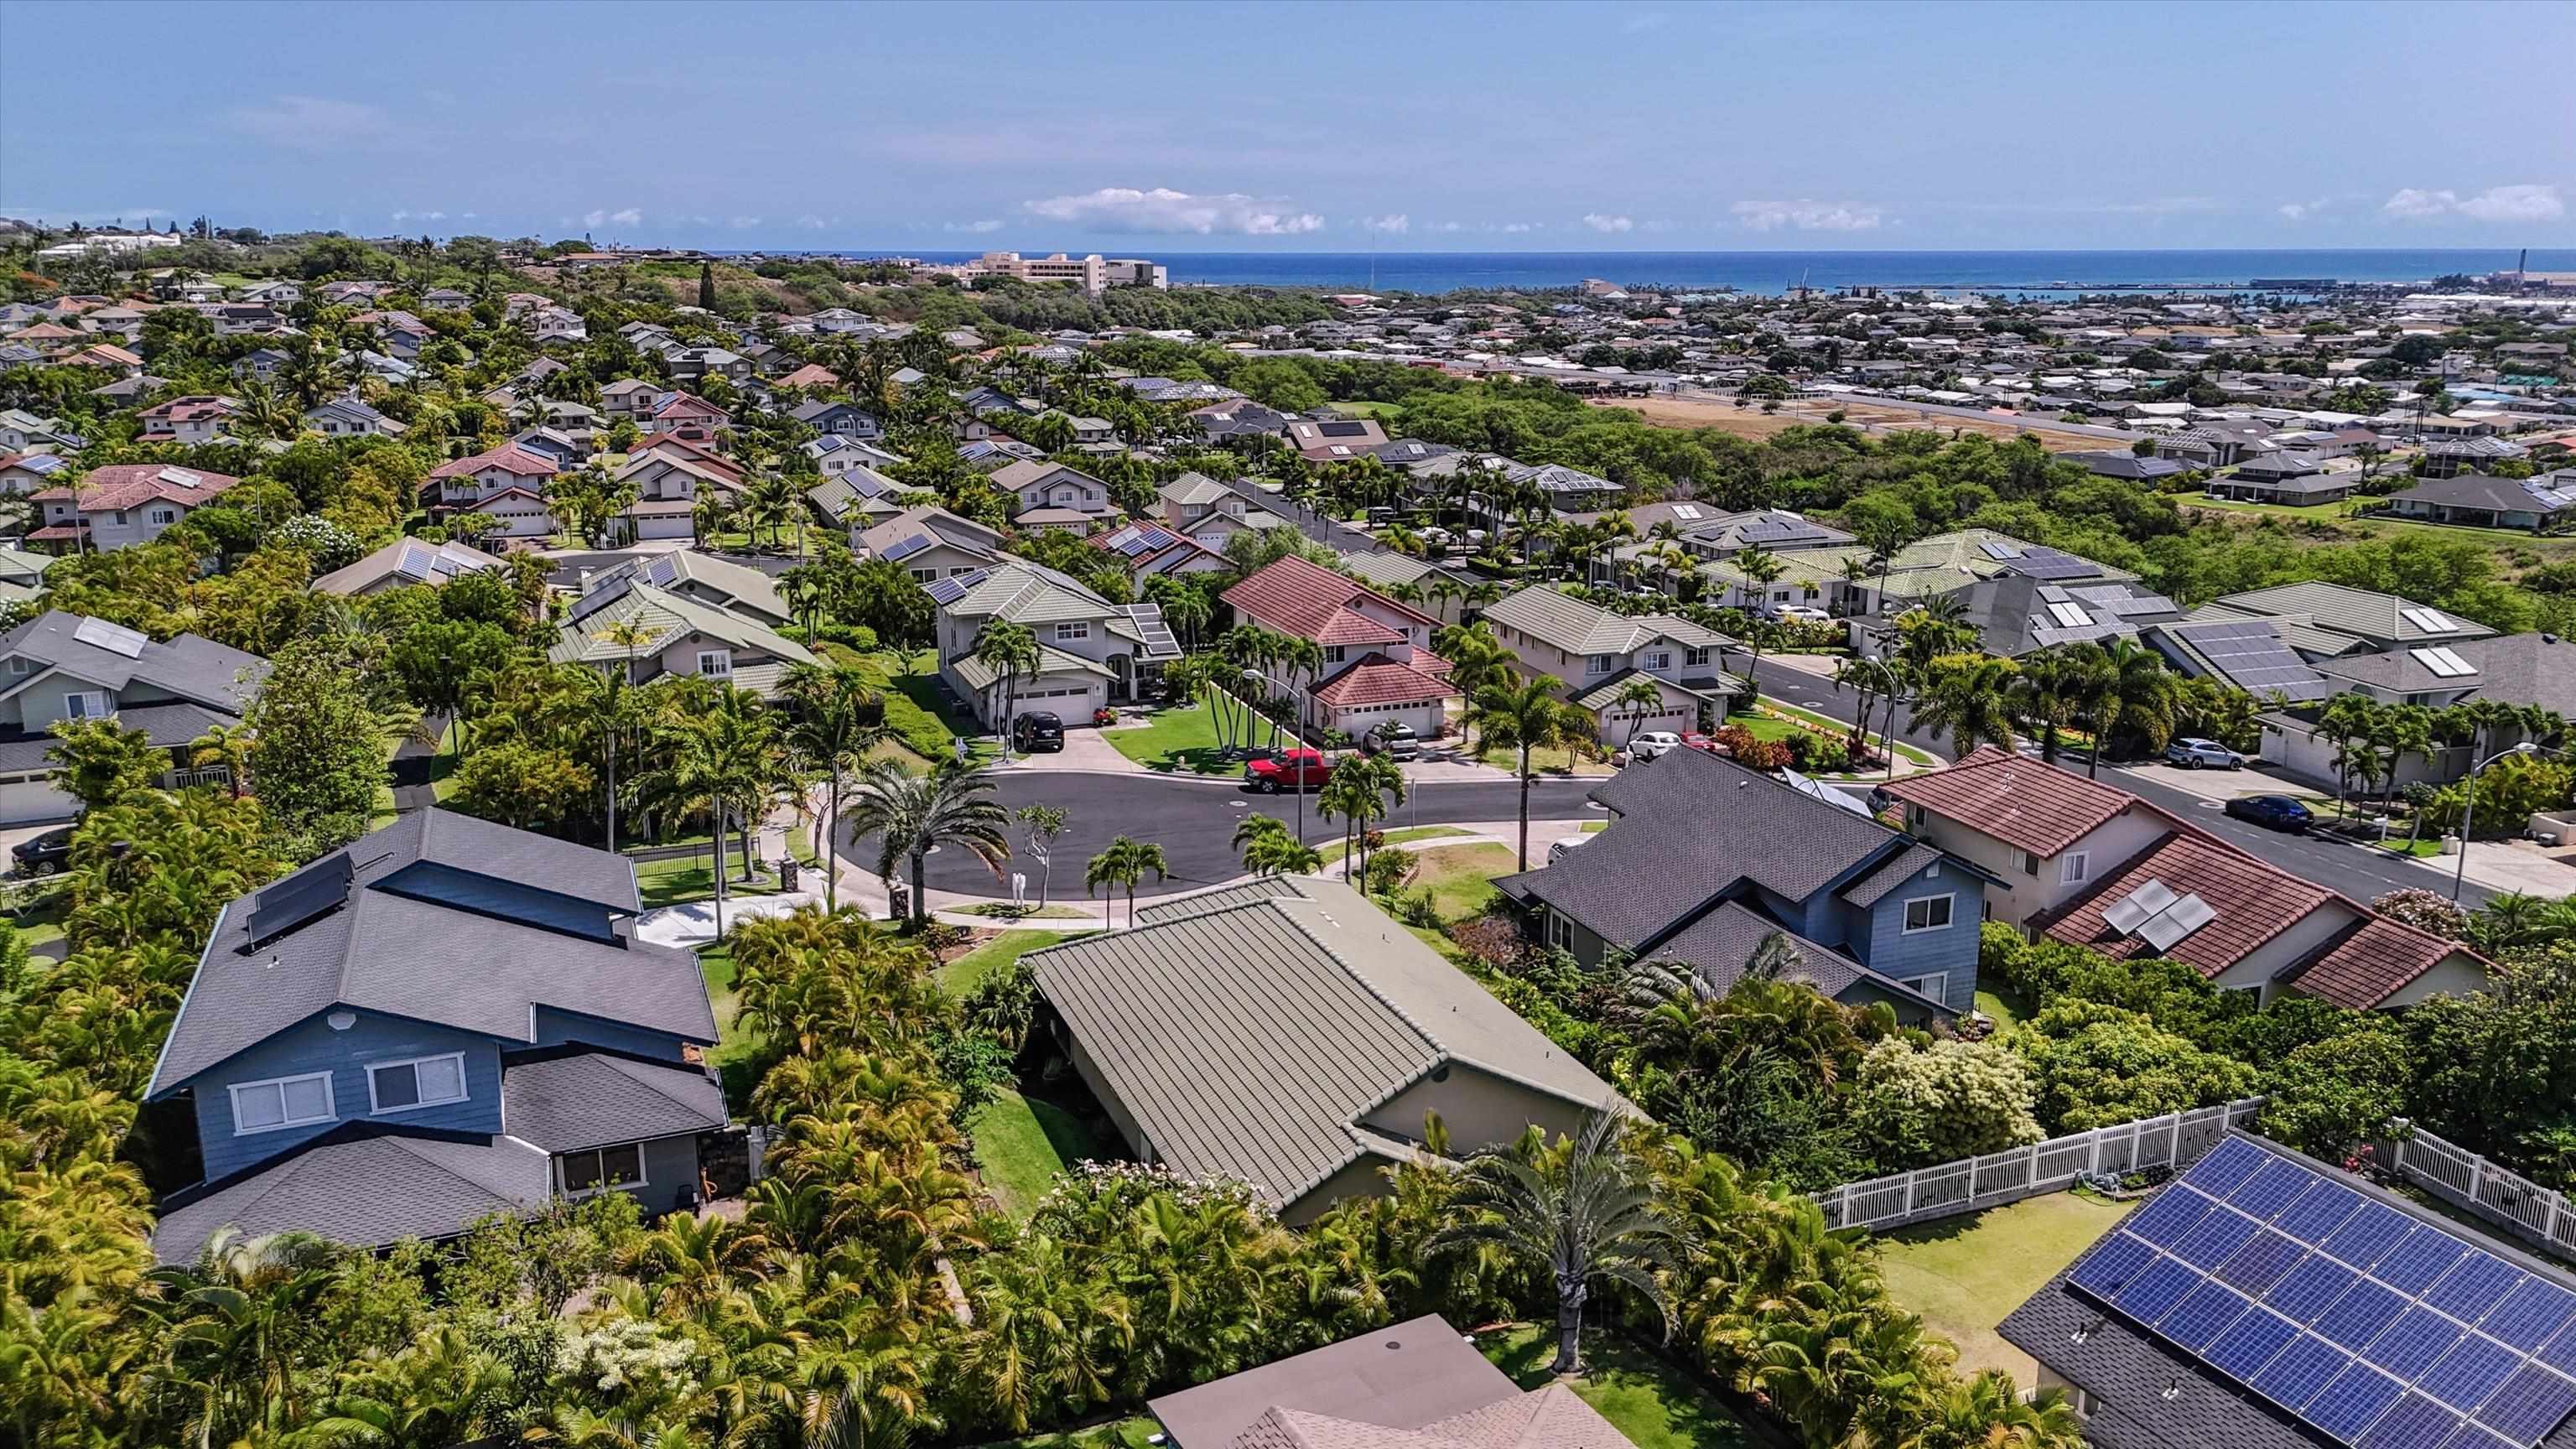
<point x="1035" y="731"/>
<point x="45" y="854"/>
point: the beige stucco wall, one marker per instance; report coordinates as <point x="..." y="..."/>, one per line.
<point x="2457" y="974"/>
<point x="1477" y="1107"/>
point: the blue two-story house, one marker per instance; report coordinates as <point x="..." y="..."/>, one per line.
<point x="447" y="1019"/>
<point x="1704" y="859"/>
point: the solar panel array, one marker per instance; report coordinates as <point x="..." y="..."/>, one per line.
<point x="1158" y="637"/>
<point x="2250" y="653"/>
<point x="1774" y="529"/>
<point x="2369" y="1326"/>
<point x="290" y="903"/>
<point x="949" y="590"/>
<point x="1142" y="538"/>
<point x="906" y="548"/>
<point x="114" y="638"/>
<point x="2048" y="563"/>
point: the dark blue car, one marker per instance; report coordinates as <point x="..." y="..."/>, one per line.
<point x="2272" y="812"/>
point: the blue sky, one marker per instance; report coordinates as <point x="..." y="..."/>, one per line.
<point x="1457" y="127"/>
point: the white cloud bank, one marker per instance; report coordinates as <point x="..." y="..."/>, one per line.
<point x="1124" y="208"/>
<point x="2496" y="203"/>
<point x="1607" y="225"/>
<point x="1394" y="223"/>
<point x="629" y="216"/>
<point x="975" y="226"/>
<point x="1808" y="215"/>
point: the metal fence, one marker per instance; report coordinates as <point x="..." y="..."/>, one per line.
<point x="2457" y="1175"/>
<point x="1972" y="1184"/>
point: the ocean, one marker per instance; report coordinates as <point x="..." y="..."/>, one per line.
<point x="1771" y="273"/>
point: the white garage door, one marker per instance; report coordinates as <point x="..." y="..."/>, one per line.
<point x="1618" y="727"/>
<point x="26" y="801"/>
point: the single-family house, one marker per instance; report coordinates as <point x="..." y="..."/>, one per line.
<point x="60" y="666"/>
<point x="667" y="490"/>
<point x="2478" y="500"/>
<point x="1288" y="1035"/>
<point x="682" y="636"/>
<point x="930" y="543"/>
<point x="1596" y="654"/>
<point x="196" y="418"/>
<point x="718" y="583"/>
<point x="857" y="498"/>
<point x="22" y="431"/>
<point x="2298" y="479"/>
<point x="1148" y="548"/>
<point x="842" y="419"/>
<point x="2089" y="864"/>
<point x="1054" y="489"/>
<point x="446" y="1019"/>
<point x="1334" y="440"/>
<point x="834" y="455"/>
<point x="24" y="473"/>
<point x="688" y="415"/>
<point x="118" y="505"/>
<point x="402" y="564"/>
<point x="632" y="398"/>
<point x="1091" y="652"/>
<point x="347" y="417"/>
<point x="22" y="575"/>
<point x="1377" y="667"/>
<point x="445" y="299"/>
<point x="507" y="482"/>
<point x="1705" y="860"/>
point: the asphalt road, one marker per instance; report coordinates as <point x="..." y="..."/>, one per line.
<point x="1194" y="820"/>
<point x="2354" y="870"/>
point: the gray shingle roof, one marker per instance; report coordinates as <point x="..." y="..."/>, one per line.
<point x="2346" y="610"/>
<point x="368" y="1192"/>
<point x="165" y="725"/>
<point x="564" y="1103"/>
<point x="1692" y="826"/>
<point x="188" y="666"/>
<point x="1247" y="1040"/>
<point x="1873" y="887"/>
<point x="432" y="961"/>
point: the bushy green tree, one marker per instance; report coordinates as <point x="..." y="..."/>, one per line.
<point x="1951" y="1099"/>
<point x="2101" y="1065"/>
<point x="317" y="754"/>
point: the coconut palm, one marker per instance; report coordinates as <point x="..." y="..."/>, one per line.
<point x="832" y="721"/>
<point x="1522" y="714"/>
<point x="227" y="746"/>
<point x="1969" y="697"/>
<point x="910" y="813"/>
<point x="1639" y="697"/>
<point x="1124" y="863"/>
<point x="1270" y="848"/>
<point x="1008" y="649"/>
<point x="241" y="1316"/>
<point x="727" y="761"/>
<point x="1578" y="1211"/>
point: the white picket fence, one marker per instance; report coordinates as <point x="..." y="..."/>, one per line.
<point x="2455" y="1174"/>
<point x="1972" y="1184"/>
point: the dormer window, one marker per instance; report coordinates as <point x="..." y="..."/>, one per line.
<point x="715" y="663"/>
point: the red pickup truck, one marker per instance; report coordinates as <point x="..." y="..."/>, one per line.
<point x="1300" y="770"/>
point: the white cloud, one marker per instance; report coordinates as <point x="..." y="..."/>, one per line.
<point x="422" y="215"/>
<point x="1808" y="215"/>
<point x="2496" y="203"/>
<point x="469" y="216"/>
<point x="2302" y="210"/>
<point x="84" y="215"/>
<point x="970" y="226"/>
<point x="1394" y="222"/>
<point x="1607" y="224"/>
<point x="1517" y="226"/>
<point x="744" y="223"/>
<point x="1124" y="208"/>
<point x="628" y="217"/>
<point x="313" y="123"/>
<point x="1448" y="226"/>
<point x="810" y="222"/>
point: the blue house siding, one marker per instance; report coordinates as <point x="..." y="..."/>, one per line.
<point x="555" y="1028"/>
<point x="1880" y="942"/>
<point x="312" y="1046"/>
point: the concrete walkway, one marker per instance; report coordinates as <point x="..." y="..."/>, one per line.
<point x="692" y="924"/>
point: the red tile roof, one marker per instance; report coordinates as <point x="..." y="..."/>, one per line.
<point x="130" y="485"/>
<point x="2021" y="802"/>
<point x="2254" y="902"/>
<point x="2371" y="964"/>
<point x="1308" y="601"/>
<point x="1377" y="679"/>
<point x="695" y="452"/>
<point x="509" y="457"/>
<point x="812" y="374"/>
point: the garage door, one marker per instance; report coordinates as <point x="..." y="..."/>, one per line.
<point x="26" y="801"/>
<point x="1622" y="725"/>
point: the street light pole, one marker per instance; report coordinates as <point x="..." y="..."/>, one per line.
<point x="2469" y="812"/>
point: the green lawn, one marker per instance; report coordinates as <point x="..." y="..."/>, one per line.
<point x="41" y="924"/>
<point x="1591" y="827"/>
<point x="1181" y="741"/>
<point x="1763" y="726"/>
<point x="1557" y="760"/>
<point x="734" y="1043"/>
<point x="693" y="878"/>
<point x="1120" y="1434"/>
<point x="1461" y="877"/>
<point x="926" y="723"/>
<point x="1964" y="1274"/>
<point x="964" y="974"/>
<point x="2006" y="1008"/>
<point x="1655" y="1405"/>
<point x="1334" y="851"/>
<point x="1023" y="1146"/>
<point x="1842" y="729"/>
<point x="1367" y="409"/>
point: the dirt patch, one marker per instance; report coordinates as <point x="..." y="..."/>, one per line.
<point x="1751" y="422"/>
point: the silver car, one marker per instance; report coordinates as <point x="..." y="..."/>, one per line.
<point x="2202" y="754"/>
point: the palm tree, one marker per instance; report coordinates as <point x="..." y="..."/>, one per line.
<point x="1269" y="848"/>
<point x="1969" y="696"/>
<point x="631" y="636"/>
<point x="911" y="813"/>
<point x="1124" y="863"/>
<point x="242" y="1314"/>
<point x="1578" y="1212"/>
<point x="1640" y="697"/>
<point x="828" y="725"/>
<point x="225" y="745"/>
<point x="1522" y="714"/>
<point x="1007" y="649"/>
<point x="1351" y="794"/>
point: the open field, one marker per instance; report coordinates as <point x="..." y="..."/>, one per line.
<point x="1965" y="1274"/>
<point x="1870" y="417"/>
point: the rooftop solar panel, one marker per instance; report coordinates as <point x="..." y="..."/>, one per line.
<point x="2261" y="1263"/>
<point x="2413" y="1422"/>
<point x="284" y="906"/>
<point x="2320" y="1210"/>
<point x="2413" y="1265"/>
<point x="2370" y="1232"/>
<point x="2299" y="1371"/>
<point x="906" y="548"/>
<point x="2531" y="1314"/>
<point x="2352" y="1400"/>
<point x="2310" y="1289"/>
<point x="2471" y="1436"/>
<point x="2530" y="1404"/>
<point x="2203" y="1314"/>
<point x="2474" y="1287"/>
<point x="2250" y="1342"/>
<point x="2470" y="1372"/>
<point x="2216" y="1236"/>
<point x="2165" y="1221"/>
<point x="2269" y="1190"/>
<point x="2156" y="1289"/>
<point x="2358" y="1316"/>
<point x="2414" y="1343"/>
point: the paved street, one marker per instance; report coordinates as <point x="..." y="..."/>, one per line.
<point x="1193" y="820"/>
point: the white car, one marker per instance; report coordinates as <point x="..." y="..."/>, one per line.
<point x="1651" y="744"/>
<point x="2194" y="754"/>
<point x="1801" y="613"/>
<point x="1562" y="848"/>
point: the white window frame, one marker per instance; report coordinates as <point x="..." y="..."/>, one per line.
<point x="1072" y="633"/>
<point x="77" y="704"/>
<point x="464" y="1088"/>
<point x="330" y="1102"/>
<point x="1560" y="931"/>
<point x="1949" y="913"/>
<point x="925" y="576"/>
<point x="1336" y="653"/>
<point x="1600" y="663"/>
<point x="1660" y="659"/>
<point x="2075" y="867"/>
<point x="562" y="1180"/>
<point x="21" y="664"/>
<point x="1696" y="656"/>
<point x="1936" y="986"/>
<point x="723" y="659"/>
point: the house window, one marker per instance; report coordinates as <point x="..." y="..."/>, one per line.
<point x="86" y="704"/>
<point x="600" y="1169"/>
<point x="1660" y="659"/>
<point x="281" y="1102"/>
<point x="1069" y="633"/>
<point x="1927" y="913"/>
<point x="1560" y="932"/>
<point x="421" y="1082"/>
<point x="925" y="576"/>
<point x="22" y="665"/>
<point x="1600" y="664"/>
<point x="716" y="663"/>
<point x="1936" y="985"/>
<point x="1695" y="658"/>
<point x="163" y="515"/>
<point x="1335" y="653"/>
<point x="2075" y="868"/>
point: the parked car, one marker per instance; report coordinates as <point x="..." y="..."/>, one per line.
<point x="1400" y="741"/>
<point x="1694" y="740"/>
<point x="1037" y="730"/>
<point x="1562" y="848"/>
<point x="44" y="854"/>
<point x="1300" y="770"/>
<point x="1652" y="744"/>
<point x="2272" y="812"/>
<point x="2196" y="754"/>
<point x="1801" y="614"/>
